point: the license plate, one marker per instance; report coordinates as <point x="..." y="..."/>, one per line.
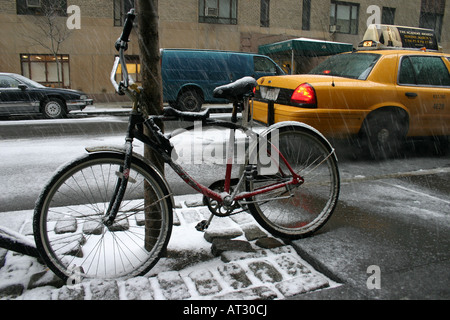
<point x="270" y="93"/>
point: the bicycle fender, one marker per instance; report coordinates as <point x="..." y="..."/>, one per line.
<point x="121" y="150"/>
<point x="302" y="125"/>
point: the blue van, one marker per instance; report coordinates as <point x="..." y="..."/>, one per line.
<point x="190" y="76"/>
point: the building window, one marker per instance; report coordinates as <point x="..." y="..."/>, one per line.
<point x="218" y="11"/>
<point x="344" y="17"/>
<point x="306" y="15"/>
<point x="121" y="8"/>
<point x="388" y="15"/>
<point x="47" y="69"/>
<point x="265" y="11"/>
<point x="42" y="7"/>
<point x="133" y="68"/>
<point x="431" y="15"/>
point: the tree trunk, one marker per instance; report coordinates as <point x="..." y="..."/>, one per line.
<point x="147" y="14"/>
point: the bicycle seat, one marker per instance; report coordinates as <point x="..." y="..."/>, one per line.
<point x="235" y="91"/>
<point x="186" y="116"/>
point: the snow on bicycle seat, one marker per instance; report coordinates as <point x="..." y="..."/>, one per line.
<point x="186" y="116"/>
<point x="235" y="91"/>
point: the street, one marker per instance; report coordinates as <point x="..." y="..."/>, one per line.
<point x="388" y="237"/>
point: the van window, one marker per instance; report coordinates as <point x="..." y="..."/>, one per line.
<point x="264" y="65"/>
<point x="191" y="63"/>
<point x="422" y="70"/>
<point x="200" y="68"/>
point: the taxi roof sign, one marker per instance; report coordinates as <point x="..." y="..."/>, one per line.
<point x="382" y="36"/>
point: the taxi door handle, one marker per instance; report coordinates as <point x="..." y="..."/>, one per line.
<point x="411" y="94"/>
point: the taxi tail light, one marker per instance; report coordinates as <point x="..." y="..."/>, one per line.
<point x="304" y="94"/>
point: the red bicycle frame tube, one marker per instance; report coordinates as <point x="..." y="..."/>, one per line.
<point x="296" y="179"/>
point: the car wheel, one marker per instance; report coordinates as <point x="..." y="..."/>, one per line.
<point x="189" y="101"/>
<point x="383" y="134"/>
<point x="54" y="108"/>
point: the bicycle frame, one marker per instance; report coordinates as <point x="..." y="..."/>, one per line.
<point x="161" y="145"/>
<point x="136" y="118"/>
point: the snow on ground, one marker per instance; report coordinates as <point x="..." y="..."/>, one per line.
<point x="188" y="253"/>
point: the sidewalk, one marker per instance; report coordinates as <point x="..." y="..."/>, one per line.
<point x="233" y="260"/>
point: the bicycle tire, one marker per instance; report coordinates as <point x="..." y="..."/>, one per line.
<point x="301" y="210"/>
<point x="70" y="235"/>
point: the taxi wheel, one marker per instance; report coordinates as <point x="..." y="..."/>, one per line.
<point x="383" y="134"/>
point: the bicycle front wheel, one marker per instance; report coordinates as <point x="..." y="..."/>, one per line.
<point x="295" y="211"/>
<point x="68" y="220"/>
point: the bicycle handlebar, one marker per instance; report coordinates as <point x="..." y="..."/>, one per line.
<point x="121" y="45"/>
<point x="128" y="25"/>
<point x="122" y="42"/>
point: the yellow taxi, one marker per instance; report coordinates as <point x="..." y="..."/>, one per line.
<point x="378" y="93"/>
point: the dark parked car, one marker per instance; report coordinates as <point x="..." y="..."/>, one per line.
<point x="20" y="95"/>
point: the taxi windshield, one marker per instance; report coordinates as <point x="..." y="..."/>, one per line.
<point x="348" y="65"/>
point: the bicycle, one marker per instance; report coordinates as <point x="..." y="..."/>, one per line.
<point x="108" y="214"/>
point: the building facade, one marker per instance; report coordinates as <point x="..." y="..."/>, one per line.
<point x="69" y="43"/>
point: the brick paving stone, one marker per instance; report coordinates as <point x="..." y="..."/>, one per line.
<point x="172" y="286"/>
<point x="11" y="289"/>
<point x="268" y="243"/>
<point x="76" y="292"/>
<point x="253" y="232"/>
<point x="205" y="282"/>
<point x="41" y="293"/>
<point x="66" y="225"/>
<point x="138" y="288"/>
<point x="243" y="218"/>
<point x="256" y="293"/>
<point x="177" y="203"/>
<point x="70" y="245"/>
<point x="191" y="215"/>
<point x="283" y="249"/>
<point x="44" y="278"/>
<point x="220" y="245"/>
<point x="234" y="275"/>
<point x="265" y="271"/>
<point x="93" y="227"/>
<point x="195" y="202"/>
<point x="120" y="224"/>
<point x="104" y="290"/>
<point x="291" y="265"/>
<point x="302" y="284"/>
<point x="223" y="228"/>
<point x="228" y="256"/>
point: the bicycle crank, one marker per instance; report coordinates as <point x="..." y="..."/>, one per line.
<point x="225" y="208"/>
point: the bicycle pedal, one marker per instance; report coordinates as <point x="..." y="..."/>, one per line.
<point x="202" y="225"/>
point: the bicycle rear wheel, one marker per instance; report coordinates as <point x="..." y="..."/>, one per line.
<point x="68" y="227"/>
<point x="295" y="211"/>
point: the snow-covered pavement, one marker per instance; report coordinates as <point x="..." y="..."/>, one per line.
<point x="233" y="260"/>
